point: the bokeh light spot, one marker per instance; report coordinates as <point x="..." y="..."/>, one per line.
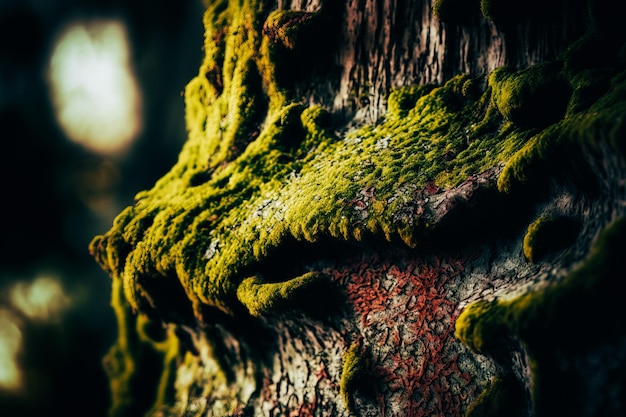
<point x="10" y="345"/>
<point x="93" y="87"/>
<point x="41" y="299"/>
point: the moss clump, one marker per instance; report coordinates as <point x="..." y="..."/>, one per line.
<point x="594" y="112"/>
<point x="533" y="97"/>
<point x="501" y="12"/>
<point x="591" y="52"/>
<point x="602" y="121"/>
<point x="141" y="364"/>
<point x="260" y="168"/>
<point x="588" y="86"/>
<point x="354" y="374"/>
<point x="548" y="234"/>
<point x="261" y="171"/>
<point x="402" y="100"/>
<point x="565" y="318"/>
<point x="527" y="165"/>
<point x="166" y="349"/>
<point x="262" y="298"/>
<point x="480" y="328"/>
<point x="220" y="210"/>
<point x="549" y="318"/>
<point x="299" y="43"/>
<point x="288" y="26"/>
<point x="202" y="225"/>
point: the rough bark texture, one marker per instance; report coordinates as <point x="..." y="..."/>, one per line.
<point x="385" y="44"/>
<point x="385" y="208"/>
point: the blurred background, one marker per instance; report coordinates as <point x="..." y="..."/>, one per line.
<point x="91" y="112"/>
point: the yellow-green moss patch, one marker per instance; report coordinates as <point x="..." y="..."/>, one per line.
<point x="141" y="370"/>
<point x="261" y="298"/>
<point x="480" y="328"/>
<point x="287" y="26"/>
<point x="533" y="97"/>
<point x="565" y="317"/>
<point x="354" y="374"/>
<point x="261" y="170"/>
<point x="547" y="234"/>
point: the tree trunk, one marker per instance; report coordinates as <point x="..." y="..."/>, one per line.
<point x="384" y="208"/>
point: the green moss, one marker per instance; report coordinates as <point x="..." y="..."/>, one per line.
<point x="588" y="86"/>
<point x="262" y="298"/>
<point x="354" y="374"/>
<point x="202" y="225"/>
<point x="547" y="234"/>
<point x="504" y="397"/>
<point x="168" y="350"/>
<point x="402" y="100"/>
<point x="594" y="284"/>
<point x="261" y="170"/>
<point x="593" y="113"/>
<point x="300" y="43"/>
<point x="119" y="363"/>
<point x="141" y="370"/>
<point x="296" y="180"/>
<point x="604" y="120"/>
<point x="480" y="328"/>
<point x="533" y="97"/>
<point x="527" y="163"/>
<point x="601" y="121"/>
<point x="566" y="317"/>
<point x="287" y="26"/>
<point x="589" y="53"/>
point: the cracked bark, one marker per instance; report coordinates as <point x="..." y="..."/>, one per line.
<point x="399" y="305"/>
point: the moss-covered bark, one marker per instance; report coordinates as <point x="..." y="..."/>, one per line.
<point x="291" y="231"/>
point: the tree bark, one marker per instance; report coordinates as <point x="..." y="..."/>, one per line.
<point x="384" y="45"/>
<point x="384" y="208"/>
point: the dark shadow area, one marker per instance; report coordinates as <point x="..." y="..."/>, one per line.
<point x="56" y="323"/>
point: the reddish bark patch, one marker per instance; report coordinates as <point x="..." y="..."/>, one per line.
<point x="406" y="321"/>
